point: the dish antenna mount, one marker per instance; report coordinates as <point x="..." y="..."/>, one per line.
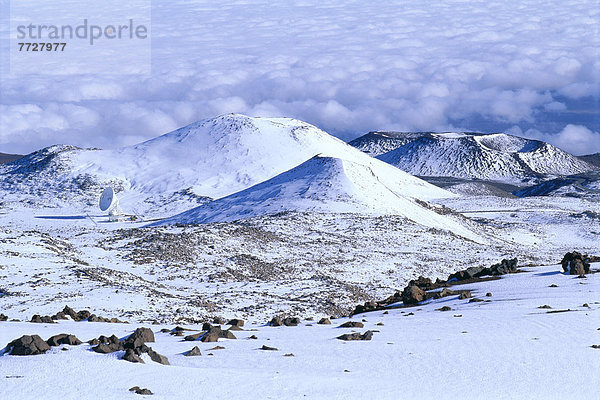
<point x="109" y="202"/>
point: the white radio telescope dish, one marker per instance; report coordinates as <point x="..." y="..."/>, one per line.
<point x="109" y="201"/>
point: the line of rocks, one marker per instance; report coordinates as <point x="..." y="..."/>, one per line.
<point x="83" y="315"/>
<point x="134" y="345"/>
<point x="420" y="289"/>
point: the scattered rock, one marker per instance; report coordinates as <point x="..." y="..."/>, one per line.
<point x="413" y="294"/>
<point x="107" y="348"/>
<point x="28" y="345"/>
<point x="352" y="324"/>
<point x="445" y="308"/>
<point x="575" y="263"/>
<point x="138" y="338"/>
<point x="276" y="321"/>
<point x="289" y="355"/>
<point x="545" y="306"/>
<point x="63" y="338"/>
<point x="553" y="285"/>
<point x="291" y="321"/>
<point x="144" y="392"/>
<point x="264" y="347"/>
<point x="488" y="294"/>
<point x="380" y="324"/>
<point x="465" y="295"/>
<point x="324" y="321"/>
<point x="132" y="357"/>
<point x="218" y="348"/>
<point x="195" y="351"/>
<point x="191" y="338"/>
<point x="236" y="322"/>
<point x="3" y="318"/>
<point x="42" y="320"/>
<point x="368" y="335"/>
<point x="158" y="358"/>
<point x="252" y="337"/>
<point x="475" y="300"/>
<point x="595" y="346"/>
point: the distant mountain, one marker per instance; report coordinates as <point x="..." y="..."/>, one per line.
<point x="593" y="159"/>
<point x="497" y="157"/>
<point x="211" y="158"/>
<point x="6" y="158"/>
<point x="328" y="184"/>
<point x="380" y="142"/>
<point x="580" y="185"/>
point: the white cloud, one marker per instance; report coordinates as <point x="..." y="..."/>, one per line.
<point x="575" y="139"/>
<point x="347" y="67"/>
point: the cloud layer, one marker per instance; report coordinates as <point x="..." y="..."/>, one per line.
<point x="346" y="67"/>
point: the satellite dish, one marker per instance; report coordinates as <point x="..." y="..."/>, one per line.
<point x="109" y="202"/>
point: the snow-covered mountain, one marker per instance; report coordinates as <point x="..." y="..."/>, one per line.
<point x="380" y="142"/>
<point x="328" y="184"/>
<point x="498" y="157"/>
<point x="593" y="159"/>
<point x="211" y="158"/>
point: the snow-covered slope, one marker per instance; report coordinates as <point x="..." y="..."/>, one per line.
<point x="498" y="156"/>
<point x="212" y="158"/>
<point x="327" y="184"/>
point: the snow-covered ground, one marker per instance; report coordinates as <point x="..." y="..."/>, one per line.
<point x="505" y="347"/>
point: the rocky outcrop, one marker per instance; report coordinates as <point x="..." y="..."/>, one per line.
<point x="575" y="263"/>
<point x="27" y="345"/>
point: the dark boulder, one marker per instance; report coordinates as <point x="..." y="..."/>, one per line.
<point x="264" y="347"/>
<point x="195" y="336"/>
<point x="132" y="357"/>
<point x="352" y="324"/>
<point x="82" y="315"/>
<point x="3" y="318"/>
<point x="276" y="321"/>
<point x="138" y="390"/>
<point x="422" y="283"/>
<point x="575" y="263"/>
<point x="368" y="335"/>
<point x="104" y="348"/>
<point x="291" y="321"/>
<point x="158" y="358"/>
<point x="324" y="321"/>
<point x="138" y="338"/>
<point x="504" y="267"/>
<point x="27" y="345"/>
<point x="236" y="322"/>
<point x="70" y="312"/>
<point x="63" y="338"/>
<point x="42" y="320"/>
<point x="193" y="352"/>
<point x="413" y="294"/>
<point x="59" y="315"/>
